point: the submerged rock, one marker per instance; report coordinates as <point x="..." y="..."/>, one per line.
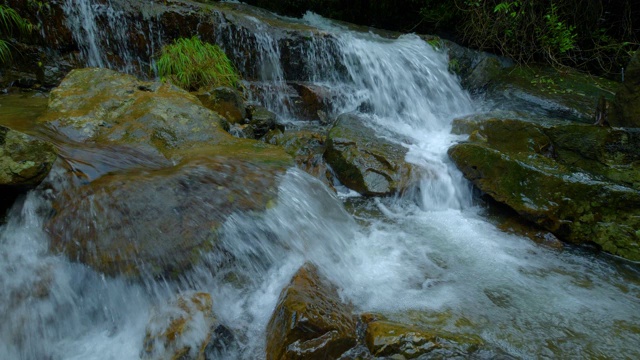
<point x="310" y="321"/>
<point x="580" y="182"/>
<point x="386" y="339"/>
<point x="365" y="162"/>
<point x="185" y="329"/>
<point x="157" y="222"/>
<point x="155" y="217"/>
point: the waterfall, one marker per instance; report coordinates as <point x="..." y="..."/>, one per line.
<point x="102" y="29"/>
<point x="437" y="263"/>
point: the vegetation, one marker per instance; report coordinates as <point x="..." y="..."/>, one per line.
<point x="192" y="64"/>
<point x="10" y="23"/>
<point x="597" y="36"/>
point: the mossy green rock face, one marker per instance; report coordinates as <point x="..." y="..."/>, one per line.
<point x="399" y="341"/>
<point x="580" y="182"/>
<point x="155" y="213"/>
<point x="626" y="107"/>
<point x="310" y="321"/>
<point x="24" y="160"/>
<point x="364" y="162"/>
<point x="568" y="94"/>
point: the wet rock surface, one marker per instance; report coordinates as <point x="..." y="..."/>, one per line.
<point x="310" y="321"/>
<point x="155" y="212"/>
<point x="24" y="160"/>
<point x="578" y="181"/>
<point x="386" y="339"/>
<point x="180" y="330"/>
<point x="365" y="162"/>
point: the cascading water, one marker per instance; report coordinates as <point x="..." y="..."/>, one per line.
<point x="437" y="259"/>
<point x="90" y="22"/>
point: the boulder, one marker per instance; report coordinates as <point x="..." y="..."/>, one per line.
<point x="24" y="160"/>
<point x="101" y="105"/>
<point x="365" y="162"/>
<point x="626" y="107"/>
<point x="580" y="182"/>
<point x="310" y="321"/>
<point x="155" y="211"/>
<point x="567" y="95"/>
<point x="386" y="339"/>
<point x="185" y="329"/>
<point x="225" y="101"/>
<point x="261" y="121"/>
<point x="307" y="148"/>
<point x="311" y="101"/>
<point x="157" y="222"/>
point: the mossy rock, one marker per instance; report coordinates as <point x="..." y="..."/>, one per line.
<point x="24" y="160"/>
<point x="566" y="94"/>
<point x="104" y="106"/>
<point x="307" y="147"/>
<point x="365" y="162"/>
<point x="386" y="339"/>
<point x="156" y="213"/>
<point x="583" y="190"/>
<point x="227" y="102"/>
<point x="310" y="321"/>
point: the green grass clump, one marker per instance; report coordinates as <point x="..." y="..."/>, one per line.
<point x="192" y="64"/>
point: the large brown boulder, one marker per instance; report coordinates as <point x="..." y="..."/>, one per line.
<point x="156" y="211"/>
<point x="310" y="321"/>
<point x="581" y="182"/>
<point x="365" y="162"/>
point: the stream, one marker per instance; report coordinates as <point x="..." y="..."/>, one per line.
<point x="432" y="258"/>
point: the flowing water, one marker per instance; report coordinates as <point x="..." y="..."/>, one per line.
<point x="432" y="260"/>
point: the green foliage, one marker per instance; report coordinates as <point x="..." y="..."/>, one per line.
<point x="192" y="64"/>
<point x="10" y="23"/>
<point x="557" y="38"/>
<point x="597" y="35"/>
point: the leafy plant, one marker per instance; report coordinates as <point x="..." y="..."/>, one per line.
<point x="191" y="64"/>
<point x="557" y="38"/>
<point x="10" y="22"/>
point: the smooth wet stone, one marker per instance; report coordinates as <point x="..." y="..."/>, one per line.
<point x="581" y="182"/>
<point x="364" y="162"/>
<point x="227" y="102"/>
<point x="310" y="321"/>
<point x="150" y="217"/>
<point x="307" y="148"/>
<point x="390" y="340"/>
<point x="24" y="160"/>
